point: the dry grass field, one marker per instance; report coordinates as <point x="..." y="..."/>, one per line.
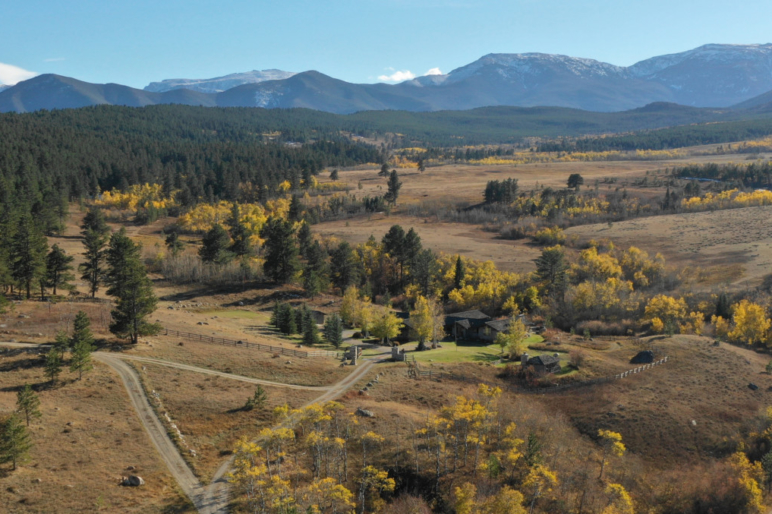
<point x="243" y="361"/>
<point x="208" y="411"/>
<point x="733" y="246"/>
<point x="687" y="410"/>
<point x="86" y="439"/>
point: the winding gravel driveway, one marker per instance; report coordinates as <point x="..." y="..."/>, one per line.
<point x="212" y="499"/>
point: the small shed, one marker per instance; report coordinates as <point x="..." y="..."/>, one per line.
<point x="644" y="357"/>
<point x="319" y="316"/>
<point x="544" y="364"/>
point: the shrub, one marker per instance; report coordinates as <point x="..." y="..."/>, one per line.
<point x="606" y="328"/>
<point x="576" y="358"/>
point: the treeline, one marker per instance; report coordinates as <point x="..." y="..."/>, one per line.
<point x="743" y="175"/>
<point x="664" y="139"/>
<point x="205" y="154"/>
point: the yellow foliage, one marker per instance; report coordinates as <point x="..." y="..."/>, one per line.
<point x="665" y="311"/>
<point x="637" y="267"/>
<point x="138" y="196"/>
<point x="465" y="498"/>
<point x="729" y="198"/>
<point x="612" y="441"/>
<point x="484" y="285"/>
<point x="595" y="266"/>
<point x="751" y="324"/>
<point x="750" y="476"/>
<point x="620" y="501"/>
<point x="721" y="325"/>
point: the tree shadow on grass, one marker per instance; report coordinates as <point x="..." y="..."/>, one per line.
<point x="485" y="357"/>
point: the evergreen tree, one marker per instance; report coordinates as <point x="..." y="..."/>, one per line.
<point x="421" y="165"/>
<point x="258" y="400"/>
<point x="28" y="254"/>
<point x="61" y="343"/>
<point x="53" y="366"/>
<point x="238" y="233"/>
<point x="173" y="244"/>
<point x="28" y="403"/>
<point x="575" y="181"/>
<point x="343" y="268"/>
<point x="315" y="274"/>
<point x="310" y="331"/>
<point x="281" y="252"/>
<point x="304" y="239"/>
<point x="120" y="253"/>
<point x="94" y="220"/>
<point x="92" y="268"/>
<point x="311" y="283"/>
<point x="394" y="185"/>
<point x="295" y="209"/>
<point x="723" y="306"/>
<point x="58" y="267"/>
<point x="81" y="332"/>
<point x="460" y="273"/>
<point x="81" y="358"/>
<point x="333" y="330"/>
<point x="15" y="441"/>
<point x="286" y="320"/>
<point x="423" y="271"/>
<point x="384" y="170"/>
<point x="551" y="268"/>
<point x="135" y="301"/>
<point x="334" y="175"/>
<point x="215" y="246"/>
<point x="274" y="321"/>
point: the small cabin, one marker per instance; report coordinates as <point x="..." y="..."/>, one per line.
<point x="543" y="364"/>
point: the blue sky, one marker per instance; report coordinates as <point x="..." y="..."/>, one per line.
<point x="134" y="42"/>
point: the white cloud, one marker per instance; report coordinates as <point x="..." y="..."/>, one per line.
<point x="433" y="71"/>
<point x="10" y="75"/>
<point x="397" y="76"/>
<point x="54" y="59"/>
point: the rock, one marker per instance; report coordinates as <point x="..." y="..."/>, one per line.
<point x="133" y="481"/>
<point x="36" y="481"/>
<point x="192" y="452"/>
<point x="130" y="468"/>
<point x="694" y="423"/>
<point x="369" y="384"/>
<point x="644" y="357"/>
<point x="364" y="413"/>
<point x="171" y="307"/>
<point x="241" y="304"/>
<point x="288" y="362"/>
<point x="200" y="323"/>
<point x="752" y="386"/>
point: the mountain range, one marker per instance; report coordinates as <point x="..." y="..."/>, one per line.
<point x="717" y="76"/>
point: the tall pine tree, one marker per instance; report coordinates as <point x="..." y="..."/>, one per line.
<point x="28" y="254"/>
<point x="281" y="252"/>
<point x="58" y="267"/>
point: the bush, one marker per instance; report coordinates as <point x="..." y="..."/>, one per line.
<point x="605" y="328"/>
<point x="576" y="358"/>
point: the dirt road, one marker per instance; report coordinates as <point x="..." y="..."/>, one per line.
<point x="231" y="376"/>
<point x="213" y="499"/>
<point x="217" y="495"/>
<point x="157" y="432"/>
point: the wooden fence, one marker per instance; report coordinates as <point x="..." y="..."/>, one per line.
<point x="543" y="390"/>
<point x="304" y="354"/>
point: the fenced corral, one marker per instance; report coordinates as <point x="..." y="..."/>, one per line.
<point x="303" y="354"/>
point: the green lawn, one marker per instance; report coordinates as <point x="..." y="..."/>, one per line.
<point x="462" y="352"/>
